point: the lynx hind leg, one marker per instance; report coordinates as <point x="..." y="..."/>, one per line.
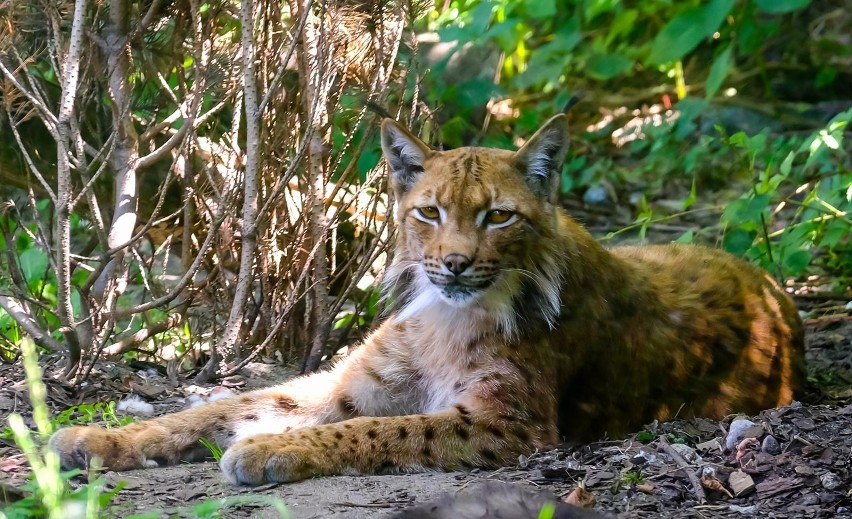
<point x="176" y="437"/>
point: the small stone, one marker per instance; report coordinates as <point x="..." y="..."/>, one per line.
<point x="687" y="453"/>
<point x="770" y="445"/>
<point x="804" y="470"/>
<point x="809" y="500"/>
<point x="714" y="445"/>
<point x="842" y="510"/>
<point x="596" y="195"/>
<point x="830" y="481"/>
<point x="737" y="431"/>
<point x="740" y="482"/>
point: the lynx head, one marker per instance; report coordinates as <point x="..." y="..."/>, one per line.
<point x="476" y="226"/>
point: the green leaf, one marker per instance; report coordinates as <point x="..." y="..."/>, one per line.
<point x="718" y="72"/>
<point x="687" y="237"/>
<point x="781" y="6"/>
<point x="682" y="34"/>
<point x="607" y="66"/>
<point x="738" y="241"/>
<point x="541" y="8"/>
<point x="798" y="261"/>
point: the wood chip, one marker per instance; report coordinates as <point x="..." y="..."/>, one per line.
<point x="741" y="483"/>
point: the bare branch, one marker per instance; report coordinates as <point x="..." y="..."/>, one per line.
<point x="28" y="324"/>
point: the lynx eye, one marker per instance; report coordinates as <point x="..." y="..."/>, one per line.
<point x="498" y="216"/>
<point x="428" y="213"/>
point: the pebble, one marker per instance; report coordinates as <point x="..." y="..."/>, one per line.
<point x="770" y="445"/>
<point x="830" y="481"/>
<point x="737" y="431"/>
<point x="595" y="195"/>
<point x="687" y="453"/>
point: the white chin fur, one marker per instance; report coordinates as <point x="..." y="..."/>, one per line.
<point x="493" y="304"/>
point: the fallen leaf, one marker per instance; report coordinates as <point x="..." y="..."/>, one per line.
<point x="712" y="483"/>
<point x="580" y="497"/>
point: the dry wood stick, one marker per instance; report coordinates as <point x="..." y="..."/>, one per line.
<point x="697" y="489"/>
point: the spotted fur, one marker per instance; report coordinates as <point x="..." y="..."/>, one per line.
<point x="511" y="328"/>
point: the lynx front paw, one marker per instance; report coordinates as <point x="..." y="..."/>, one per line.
<point x="77" y="446"/>
<point x="267" y="458"/>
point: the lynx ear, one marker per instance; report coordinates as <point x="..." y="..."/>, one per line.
<point x="541" y="157"/>
<point x="405" y="155"/>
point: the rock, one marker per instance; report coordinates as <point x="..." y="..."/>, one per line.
<point x="770" y="445"/>
<point x="596" y="195"/>
<point x="497" y="501"/>
<point x="830" y="481"/>
<point x="687" y="453"/>
<point x="740" y="482"/>
<point x="737" y="431"/>
<point x="714" y="445"/>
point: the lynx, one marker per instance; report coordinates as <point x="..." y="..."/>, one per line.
<point x="511" y="329"/>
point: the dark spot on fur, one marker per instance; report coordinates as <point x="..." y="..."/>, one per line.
<point x="347" y="426"/>
<point x="353" y="440"/>
<point x="371" y="433"/>
<point x="403" y="432"/>
<point x="488" y="454"/>
<point x="466" y="419"/>
<point x="522" y="434"/>
<point x="250" y="417"/>
<point x="428" y="433"/>
<point x="385" y="444"/>
<point x="338" y="435"/>
<point x="385" y="465"/>
<point x="221" y="417"/>
<point x="495" y="431"/>
<point x="462" y="409"/>
<point x="427" y="451"/>
<point x="249" y="441"/>
<point x="461" y="432"/>
<point x="345" y="406"/>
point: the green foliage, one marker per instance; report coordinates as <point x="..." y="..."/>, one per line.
<point x="215" y="449"/>
<point x="548" y="511"/>
<point x="797" y="206"/>
<point x="83" y="414"/>
<point x="632" y="477"/>
<point x="787" y="190"/>
<point x="48" y="492"/>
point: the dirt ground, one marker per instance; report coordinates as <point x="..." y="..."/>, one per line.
<point x="791" y="462"/>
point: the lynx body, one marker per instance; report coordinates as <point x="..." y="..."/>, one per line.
<point x="511" y="329"/>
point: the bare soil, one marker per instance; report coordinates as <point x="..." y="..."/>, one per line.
<point x="805" y="472"/>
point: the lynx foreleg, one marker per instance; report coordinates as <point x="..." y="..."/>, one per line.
<point x="175" y="437"/>
<point x="454" y="439"/>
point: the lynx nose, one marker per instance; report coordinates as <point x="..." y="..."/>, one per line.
<point x="456" y="263"/>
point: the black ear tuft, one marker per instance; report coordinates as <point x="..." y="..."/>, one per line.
<point x="405" y="155"/>
<point x="542" y="156"/>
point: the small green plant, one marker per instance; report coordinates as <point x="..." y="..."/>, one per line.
<point x="632" y="477"/>
<point x="548" y="511"/>
<point x="48" y="492"/>
<point x="81" y="415"/>
<point x="215" y="449"/>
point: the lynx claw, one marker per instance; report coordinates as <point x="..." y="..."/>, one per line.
<point x="257" y="461"/>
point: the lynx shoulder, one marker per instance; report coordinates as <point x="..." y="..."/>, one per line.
<point x="511" y="328"/>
